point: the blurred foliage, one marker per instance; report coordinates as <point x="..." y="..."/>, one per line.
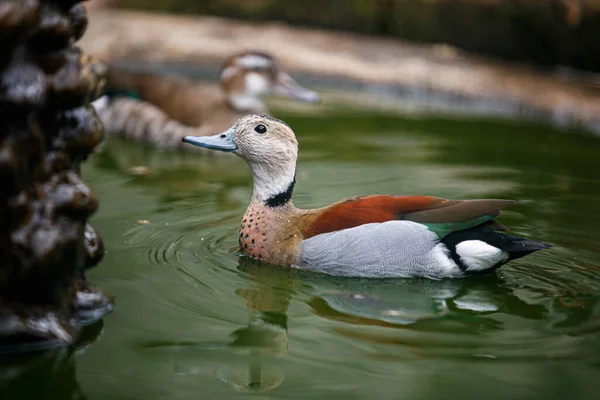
<point x="545" y="32"/>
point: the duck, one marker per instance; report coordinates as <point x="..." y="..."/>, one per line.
<point x="373" y="236"/>
<point x="161" y="109"/>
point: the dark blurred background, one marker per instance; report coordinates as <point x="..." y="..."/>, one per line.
<point x="541" y="32"/>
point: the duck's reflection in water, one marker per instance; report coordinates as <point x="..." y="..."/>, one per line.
<point x="398" y="303"/>
<point x="251" y="359"/>
<point x="265" y="340"/>
<point x="50" y="374"/>
<point x="428" y="318"/>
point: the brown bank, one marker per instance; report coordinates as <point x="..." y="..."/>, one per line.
<point x="436" y="71"/>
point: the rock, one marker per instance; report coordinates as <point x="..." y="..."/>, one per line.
<point x="47" y="128"/>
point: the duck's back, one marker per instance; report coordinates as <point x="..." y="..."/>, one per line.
<point x="186" y="101"/>
<point x="408" y="236"/>
<point x="162" y="110"/>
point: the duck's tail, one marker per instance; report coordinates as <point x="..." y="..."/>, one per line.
<point x="481" y="250"/>
<point x="141" y="121"/>
<point x="133" y="107"/>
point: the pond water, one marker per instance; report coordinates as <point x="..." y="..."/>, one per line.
<point x="194" y="319"/>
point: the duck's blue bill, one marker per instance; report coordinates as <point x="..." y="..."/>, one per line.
<point x="222" y="142"/>
<point x="287" y="86"/>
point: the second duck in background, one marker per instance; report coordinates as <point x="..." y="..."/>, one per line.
<point x="162" y="109"/>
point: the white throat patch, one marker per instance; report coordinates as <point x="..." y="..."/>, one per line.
<point x="271" y="180"/>
<point x="255" y="86"/>
<point x="247" y="103"/>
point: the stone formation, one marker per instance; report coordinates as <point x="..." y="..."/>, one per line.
<point x="47" y="129"/>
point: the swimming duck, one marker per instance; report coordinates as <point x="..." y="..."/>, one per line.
<point x="371" y="236"/>
<point x="164" y="109"/>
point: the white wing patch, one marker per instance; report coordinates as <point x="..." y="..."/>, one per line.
<point x="478" y="255"/>
<point x="100" y="104"/>
<point x="442" y="256"/>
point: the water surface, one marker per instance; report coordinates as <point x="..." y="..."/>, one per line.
<point x="195" y="319"/>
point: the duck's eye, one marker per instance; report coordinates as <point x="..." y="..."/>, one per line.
<point x="260" y="128"/>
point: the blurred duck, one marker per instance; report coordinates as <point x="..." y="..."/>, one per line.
<point x="373" y="236"/>
<point x="161" y="110"/>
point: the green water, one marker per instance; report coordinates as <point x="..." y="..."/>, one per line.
<point x="195" y="320"/>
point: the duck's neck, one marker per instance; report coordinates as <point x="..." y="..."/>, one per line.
<point x="273" y="189"/>
<point x="246" y="102"/>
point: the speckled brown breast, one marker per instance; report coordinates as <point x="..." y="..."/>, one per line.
<point x="270" y="234"/>
<point x="253" y="232"/>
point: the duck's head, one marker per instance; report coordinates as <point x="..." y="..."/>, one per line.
<point x="247" y="77"/>
<point x="267" y="144"/>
